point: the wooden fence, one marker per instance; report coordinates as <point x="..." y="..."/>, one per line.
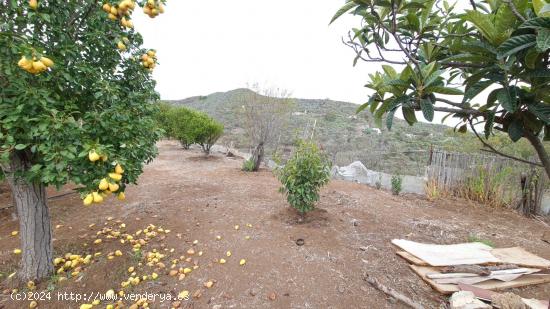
<point x="491" y="180"/>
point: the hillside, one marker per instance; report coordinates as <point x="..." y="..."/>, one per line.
<point x="347" y="136"/>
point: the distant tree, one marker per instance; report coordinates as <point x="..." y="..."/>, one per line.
<point x="264" y="113"/>
<point x="303" y="175"/>
<point x="501" y="46"/>
<point x="162" y="118"/>
<point x="206" y="131"/>
<point x="182" y="124"/>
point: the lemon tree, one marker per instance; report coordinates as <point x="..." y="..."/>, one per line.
<point x="76" y="96"/>
<point x="484" y="62"/>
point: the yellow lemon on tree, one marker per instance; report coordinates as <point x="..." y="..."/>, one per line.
<point x="121" y="196"/>
<point x="107" y="8"/>
<point x="47" y="61"/>
<point x="115" y="176"/>
<point x="118" y="169"/>
<point x="120" y="45"/>
<point x="113" y="187"/>
<point x="97" y="197"/>
<point x="93" y="156"/>
<point x="33" y="4"/>
<point x="38" y="66"/>
<point x="25" y="63"/>
<point x="88" y="200"/>
<point x="103" y="184"/>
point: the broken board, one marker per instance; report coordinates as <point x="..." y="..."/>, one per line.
<point x="521" y="257"/>
<point x="487" y="295"/>
<point x="448" y="255"/>
<point x="526" y="280"/>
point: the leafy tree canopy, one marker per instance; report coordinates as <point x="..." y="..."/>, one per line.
<point x="448" y="56"/>
<point x="75" y="80"/>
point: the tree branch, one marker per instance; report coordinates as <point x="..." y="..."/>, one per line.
<point x="495" y="151"/>
<point x="515" y="10"/>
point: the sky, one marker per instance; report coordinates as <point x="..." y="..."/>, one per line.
<point x="219" y="45"/>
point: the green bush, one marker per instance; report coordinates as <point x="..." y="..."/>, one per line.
<point x="303" y="176"/>
<point x="206" y="131"/>
<point x="181" y="123"/>
<point x="248" y="165"/>
<point x="162" y="116"/>
<point x="188" y="126"/>
<point x="396" y="184"/>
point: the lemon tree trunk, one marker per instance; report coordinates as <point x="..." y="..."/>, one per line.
<point x="34" y="222"/>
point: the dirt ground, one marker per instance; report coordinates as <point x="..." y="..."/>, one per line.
<point x="199" y="198"/>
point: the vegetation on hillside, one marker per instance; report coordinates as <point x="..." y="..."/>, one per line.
<point x="347" y="136"/>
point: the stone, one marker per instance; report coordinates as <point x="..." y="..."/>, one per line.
<point x="466" y="300"/>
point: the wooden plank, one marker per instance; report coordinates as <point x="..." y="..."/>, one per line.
<point x="411" y="258"/>
<point x="448" y="255"/>
<point x="520" y="257"/>
<point x="525" y="280"/>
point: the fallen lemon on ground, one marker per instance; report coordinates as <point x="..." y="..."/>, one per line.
<point x="242" y="262"/>
<point x="14" y="233"/>
<point x="183" y="295"/>
<point x="222" y="261"/>
<point x="17" y="251"/>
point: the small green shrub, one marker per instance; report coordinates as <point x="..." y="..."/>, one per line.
<point x="396" y="184"/>
<point x="303" y="175"/>
<point x="248" y="165"/>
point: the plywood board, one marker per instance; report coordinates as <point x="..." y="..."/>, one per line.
<point x="411" y="258"/>
<point x="525" y="280"/>
<point x="448" y="255"/>
<point x="520" y="257"/>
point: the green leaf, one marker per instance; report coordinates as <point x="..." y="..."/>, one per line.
<point x="515" y="130"/>
<point x="541" y="110"/>
<point x="444" y="90"/>
<point x="543" y="40"/>
<point x="365" y="105"/>
<point x="489" y="124"/>
<point x="20" y="146"/>
<point x="427" y="109"/>
<point x="389" y="119"/>
<point x="485" y="25"/>
<point x="539" y="22"/>
<point x="531" y="58"/>
<point x="516" y="44"/>
<point x="409" y="115"/>
<point x="347" y="7"/>
<point x="508" y="99"/>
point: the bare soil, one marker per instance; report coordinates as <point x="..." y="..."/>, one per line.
<point x="198" y="198"/>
